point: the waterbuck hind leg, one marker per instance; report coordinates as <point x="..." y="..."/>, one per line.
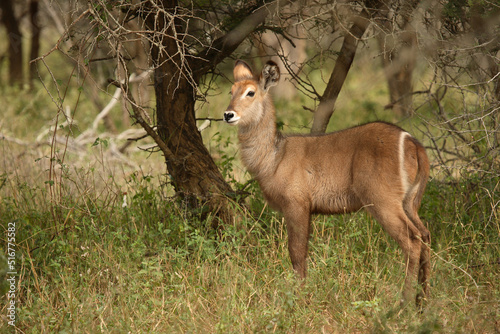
<point x="297" y="224"/>
<point x="423" y="274"/>
<point x="424" y="268"/>
<point x="396" y="223"/>
<point x="425" y="252"/>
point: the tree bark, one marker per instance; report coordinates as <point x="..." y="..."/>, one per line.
<point x="326" y="106"/>
<point x="194" y="174"/>
<point x="15" y="42"/>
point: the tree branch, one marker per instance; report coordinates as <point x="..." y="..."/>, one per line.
<point x="225" y="45"/>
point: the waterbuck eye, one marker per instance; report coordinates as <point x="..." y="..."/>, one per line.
<point x="251" y="93"/>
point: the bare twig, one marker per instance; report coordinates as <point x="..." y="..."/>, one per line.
<point x="137" y="114"/>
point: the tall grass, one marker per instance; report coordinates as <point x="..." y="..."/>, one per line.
<point x="89" y="264"/>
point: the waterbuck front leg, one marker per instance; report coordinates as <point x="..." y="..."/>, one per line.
<point x="297" y="219"/>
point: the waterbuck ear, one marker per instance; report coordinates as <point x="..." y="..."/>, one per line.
<point x="242" y="71"/>
<point x="270" y="75"/>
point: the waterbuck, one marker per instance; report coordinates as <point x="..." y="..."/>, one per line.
<point x="377" y="166"/>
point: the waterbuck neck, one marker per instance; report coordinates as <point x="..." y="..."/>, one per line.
<point x="260" y="143"/>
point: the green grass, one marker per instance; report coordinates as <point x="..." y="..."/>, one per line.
<point x="87" y="264"/>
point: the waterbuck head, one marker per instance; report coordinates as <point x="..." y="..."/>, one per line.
<point x="249" y="93"/>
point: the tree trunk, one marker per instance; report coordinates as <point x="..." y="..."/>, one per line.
<point x="397" y="43"/>
<point x="194" y="174"/>
<point x="485" y="59"/>
<point x="326" y="106"/>
<point x="15" y="42"/>
<point x="399" y="63"/>
<point x="35" y="40"/>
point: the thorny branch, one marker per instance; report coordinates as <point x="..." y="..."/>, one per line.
<point x="137" y="115"/>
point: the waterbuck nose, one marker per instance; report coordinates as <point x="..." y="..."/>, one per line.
<point x="228" y="115"/>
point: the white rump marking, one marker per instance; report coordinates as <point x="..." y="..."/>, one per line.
<point x="402" y="171"/>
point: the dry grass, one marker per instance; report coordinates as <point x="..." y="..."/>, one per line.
<point x="153" y="267"/>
